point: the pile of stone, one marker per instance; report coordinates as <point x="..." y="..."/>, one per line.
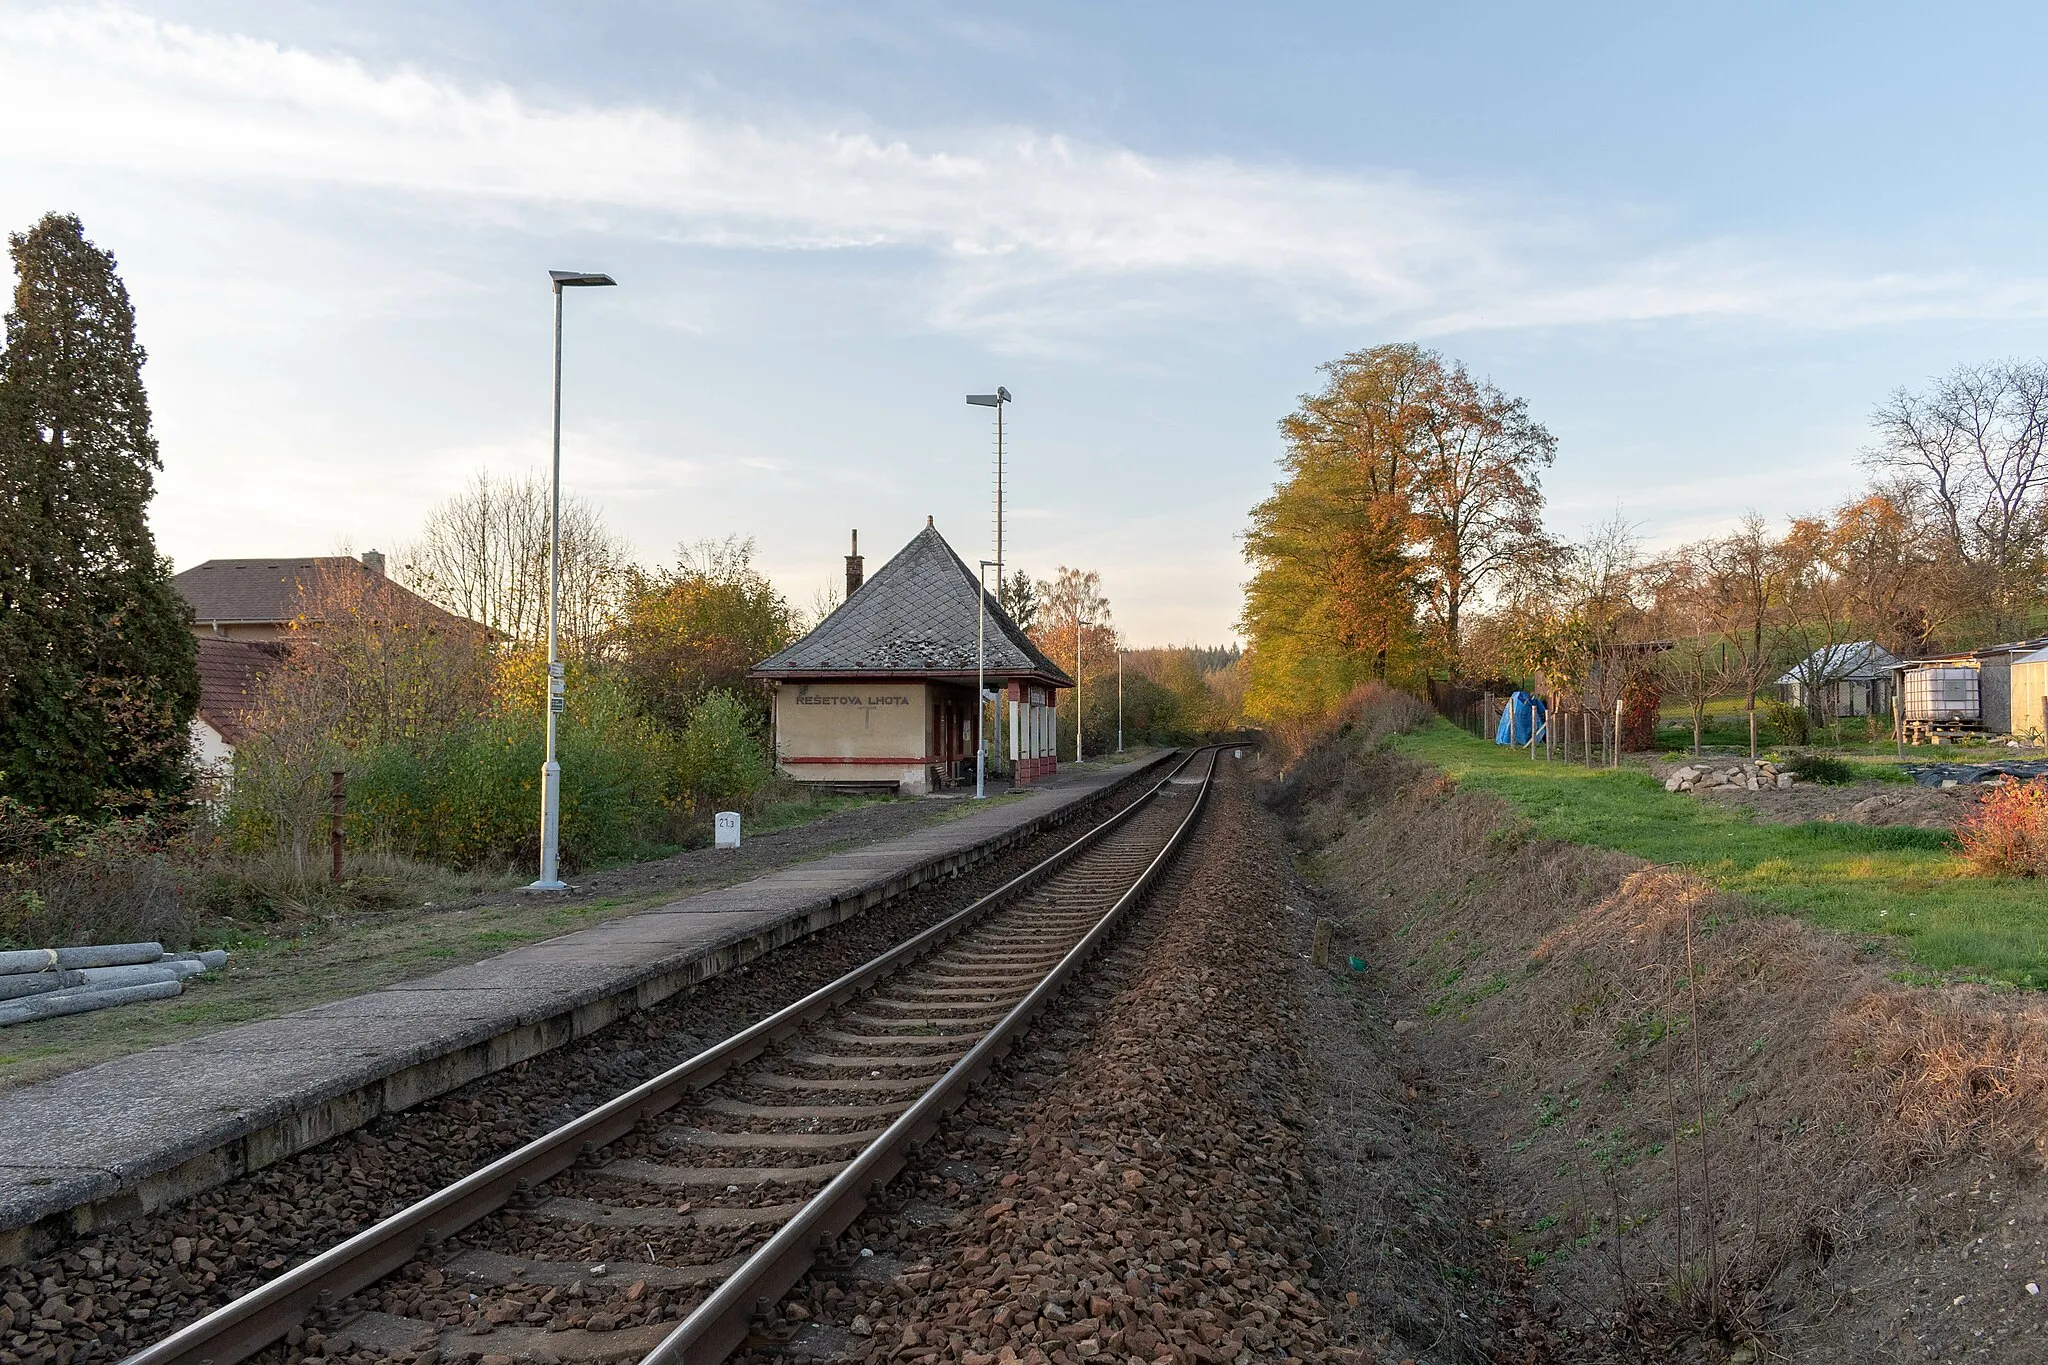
<point x="47" y="983"/>
<point x="1745" y="776"/>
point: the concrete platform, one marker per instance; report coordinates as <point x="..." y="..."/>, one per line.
<point x="136" y="1134"/>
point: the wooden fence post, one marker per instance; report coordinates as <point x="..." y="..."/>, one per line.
<point x="334" y="836"/>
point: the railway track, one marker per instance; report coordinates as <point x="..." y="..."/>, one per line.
<point x="658" y="1224"/>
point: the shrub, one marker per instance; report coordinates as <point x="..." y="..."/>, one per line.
<point x="471" y="797"/>
<point x="67" y="881"/>
<point x="1820" y="768"/>
<point x="2007" y="835"/>
<point x="1791" y="723"/>
<point x="721" y="758"/>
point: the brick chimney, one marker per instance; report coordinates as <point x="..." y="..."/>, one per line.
<point x="856" y="573"/>
<point x="373" y="560"/>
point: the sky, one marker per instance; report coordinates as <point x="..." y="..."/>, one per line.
<point x="1702" y="245"/>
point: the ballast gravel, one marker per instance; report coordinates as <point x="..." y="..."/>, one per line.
<point x="1132" y="1186"/>
<point x="108" y="1293"/>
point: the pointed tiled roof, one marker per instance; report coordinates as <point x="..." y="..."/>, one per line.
<point x="914" y="615"/>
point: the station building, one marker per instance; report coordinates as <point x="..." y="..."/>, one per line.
<point x="882" y="692"/>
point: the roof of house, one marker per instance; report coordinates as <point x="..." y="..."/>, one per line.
<point x="1859" y="660"/>
<point x="914" y="615"/>
<point x="2021" y="647"/>
<point x="230" y="674"/>
<point x="279" y="591"/>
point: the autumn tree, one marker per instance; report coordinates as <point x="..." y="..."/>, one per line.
<point x="1825" y="612"/>
<point x="1887" y="569"/>
<point x="1477" y="496"/>
<point x="1411" y="491"/>
<point x="1331" y="601"/>
<point x="1745" y="575"/>
<point x="1578" y="618"/>
<point x="365" y="666"/>
<point x="1693" y="670"/>
<point x="686" y="631"/>
<point x="1074" y="615"/>
<point x="98" y="668"/>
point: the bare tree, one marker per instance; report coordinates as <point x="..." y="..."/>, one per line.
<point x="1694" y="670"/>
<point x="1579" y="619"/>
<point x="1823" y="614"/>
<point x="484" y="554"/>
<point x="1746" y="575"/>
<point x="1975" y="445"/>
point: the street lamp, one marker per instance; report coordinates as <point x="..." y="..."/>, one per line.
<point x="550" y="770"/>
<point x="1079" y="625"/>
<point x="1119" y="698"/>
<point x="996" y="400"/>
<point x="980" y="666"/>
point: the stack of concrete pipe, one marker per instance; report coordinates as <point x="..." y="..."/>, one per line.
<point x="45" y="983"/>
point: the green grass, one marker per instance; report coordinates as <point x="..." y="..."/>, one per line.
<point x="1906" y="887"/>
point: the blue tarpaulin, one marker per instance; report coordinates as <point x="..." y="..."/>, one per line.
<point x="1521" y="720"/>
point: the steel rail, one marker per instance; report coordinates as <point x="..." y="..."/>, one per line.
<point x="253" y="1321"/>
<point x="720" y="1323"/>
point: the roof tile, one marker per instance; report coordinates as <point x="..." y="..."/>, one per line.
<point x="915" y="614"/>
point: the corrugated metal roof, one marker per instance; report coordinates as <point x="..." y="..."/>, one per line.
<point x="1844" y="663"/>
<point x="915" y="614"/>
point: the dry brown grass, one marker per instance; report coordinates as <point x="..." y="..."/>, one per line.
<point x="1948" y="1074"/>
<point x="1593" y="1039"/>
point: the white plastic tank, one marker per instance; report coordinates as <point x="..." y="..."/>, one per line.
<point x="1943" y="694"/>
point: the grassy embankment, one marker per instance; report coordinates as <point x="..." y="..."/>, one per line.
<point x="1908" y="888"/>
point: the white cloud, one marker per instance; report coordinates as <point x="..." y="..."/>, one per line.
<point x="1036" y="233"/>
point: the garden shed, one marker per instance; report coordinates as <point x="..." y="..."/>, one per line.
<point x="1849" y="680"/>
<point x="2030" y="693"/>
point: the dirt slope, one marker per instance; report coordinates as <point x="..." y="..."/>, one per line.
<point x="1866" y="1184"/>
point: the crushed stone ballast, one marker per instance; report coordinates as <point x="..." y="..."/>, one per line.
<point x="141" y="1133"/>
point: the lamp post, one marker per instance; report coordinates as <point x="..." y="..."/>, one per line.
<point x="1079" y="626"/>
<point x="1119" y="698"/>
<point x="980" y="667"/>
<point x="550" y="770"/>
<point x="994" y="400"/>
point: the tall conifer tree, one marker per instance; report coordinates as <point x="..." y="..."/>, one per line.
<point x="98" y="668"/>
